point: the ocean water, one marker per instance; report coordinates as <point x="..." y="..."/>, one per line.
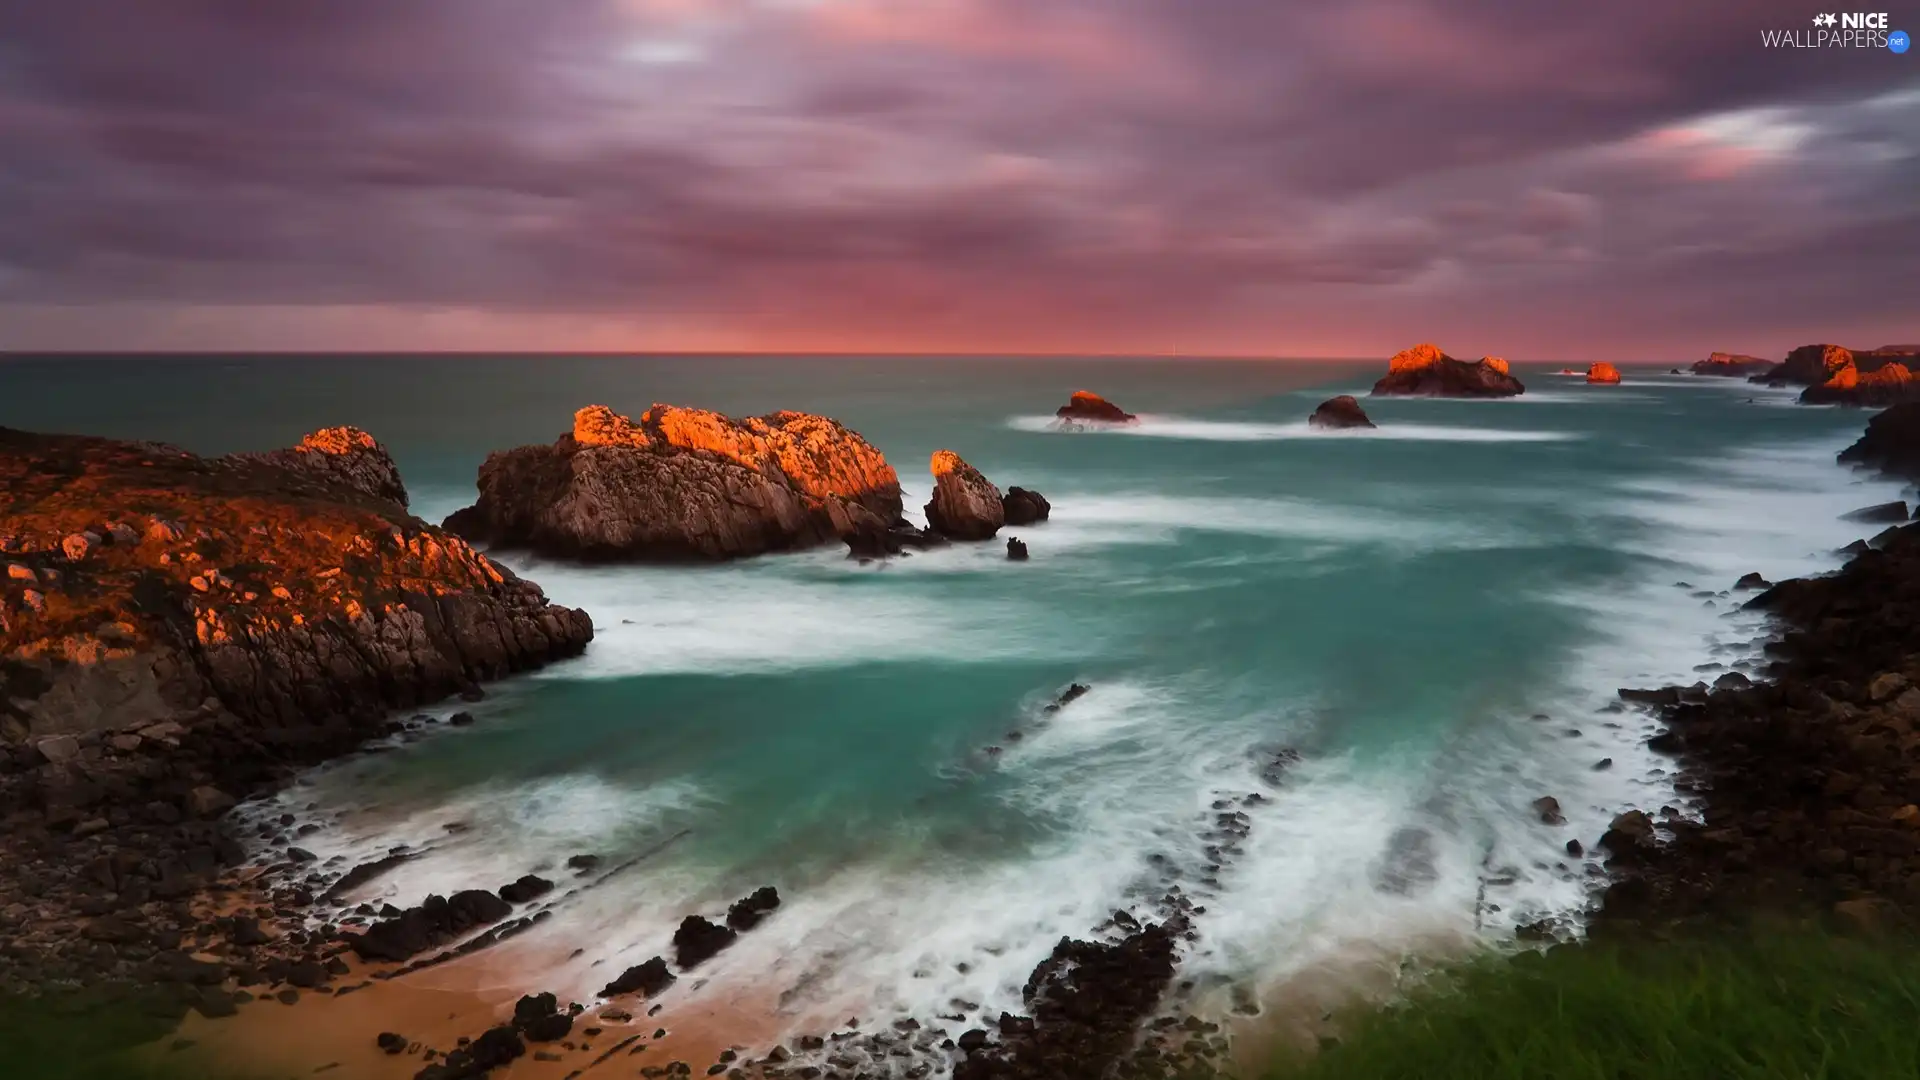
<point x="1434" y="615"/>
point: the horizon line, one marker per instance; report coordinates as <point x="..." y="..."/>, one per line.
<point x="19" y="354"/>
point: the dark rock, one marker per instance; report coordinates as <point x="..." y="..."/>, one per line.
<point x="873" y="539"/>
<point x="1891" y="443"/>
<point x="583" y="864"/>
<point x="460" y="719"/>
<point x="497" y="1048"/>
<point x="1340" y="412"/>
<point x="1548" y="808"/>
<point x="646" y="979"/>
<point x="1017" y="549"/>
<point x="391" y="1042"/>
<point x="747" y="913"/>
<point x="1752" y="581"/>
<point x="1021" y="506"/>
<point x="698" y="940"/>
<point x="1885" y="513"/>
<point x="528" y="887"/>
<point x="1732" y="365"/>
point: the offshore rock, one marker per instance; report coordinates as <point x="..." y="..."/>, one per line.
<point x="682" y="484"/>
<point x="1017" y="550"/>
<point x="1021" y="506"/>
<point x="1808" y="365"/>
<point x="1731" y="364"/>
<point x="1865" y="381"/>
<point x="1340" y="412"/>
<point x="1425" y="371"/>
<point x="965" y="505"/>
<point x="1087" y="405"/>
<point x="1603" y="372"/>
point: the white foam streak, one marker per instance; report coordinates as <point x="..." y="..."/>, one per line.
<point x="1179" y="427"/>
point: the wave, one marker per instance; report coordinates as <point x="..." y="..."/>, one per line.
<point x="1179" y="427"/>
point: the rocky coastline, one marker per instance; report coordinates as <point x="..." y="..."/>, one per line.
<point x="1806" y="781"/>
<point x="182" y="632"/>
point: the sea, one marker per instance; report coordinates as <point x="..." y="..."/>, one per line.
<point x="1399" y="638"/>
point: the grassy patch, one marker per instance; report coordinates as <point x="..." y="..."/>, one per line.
<point x="1783" y="1005"/>
<point x="85" y="1038"/>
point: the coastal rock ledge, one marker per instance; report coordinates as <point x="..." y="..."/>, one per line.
<point x="1425" y="371"/>
<point x="682" y="484"/>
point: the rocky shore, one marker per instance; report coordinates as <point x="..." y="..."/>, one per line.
<point x="1807" y="780"/>
<point x="182" y="632"/>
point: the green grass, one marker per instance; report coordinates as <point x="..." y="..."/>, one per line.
<point x="1764" y="1005"/>
<point x="85" y="1038"/>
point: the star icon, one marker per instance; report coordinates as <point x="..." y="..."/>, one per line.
<point x="1830" y="19"/>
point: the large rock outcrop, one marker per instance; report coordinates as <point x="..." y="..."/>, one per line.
<point x="965" y="504"/>
<point x="178" y="632"/>
<point x="288" y="586"/>
<point x="1087" y="405"/>
<point x="1023" y="506"/>
<point x="1808" y="365"/>
<point x="1731" y="364"/>
<point x="1340" y="412"/>
<point x="682" y="484"/>
<point x="1603" y="373"/>
<point x="1891" y="443"/>
<point x="1425" y="371"/>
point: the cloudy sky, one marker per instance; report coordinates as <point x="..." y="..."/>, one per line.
<point x="1639" y="179"/>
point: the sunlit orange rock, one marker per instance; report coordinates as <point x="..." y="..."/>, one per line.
<point x="965" y="504"/>
<point x="1087" y="405"/>
<point x="288" y="587"/>
<point x="1425" y="371"/>
<point x="681" y="483"/>
<point x="1891" y="382"/>
<point x="1602" y="372"/>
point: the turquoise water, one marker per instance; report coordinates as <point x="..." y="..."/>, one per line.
<point x="1399" y="606"/>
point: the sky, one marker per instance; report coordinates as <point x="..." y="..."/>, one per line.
<point x="1629" y="180"/>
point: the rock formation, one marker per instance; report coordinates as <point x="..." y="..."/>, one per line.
<point x="1024" y="507"/>
<point x="1731" y="364"/>
<point x="965" y="505"/>
<point x="682" y="484"/>
<point x="1891" y="444"/>
<point x="1425" y="371"/>
<point x="1884" y="381"/>
<point x="1603" y="372"/>
<point x="1087" y="405"/>
<point x="1808" y="365"/>
<point x="1017" y="550"/>
<point x="179" y="631"/>
<point x="1340" y="412"/>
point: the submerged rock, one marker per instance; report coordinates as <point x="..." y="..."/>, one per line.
<point x="1087" y="405"/>
<point x="1603" y="372"/>
<point x="1017" y="550"/>
<point x="1340" y="412"/>
<point x="872" y="539"/>
<point x="647" y="980"/>
<point x="1425" y="371"/>
<point x="747" y="913"/>
<point x="682" y="483"/>
<point x="965" y="505"/>
<point x="1881" y="514"/>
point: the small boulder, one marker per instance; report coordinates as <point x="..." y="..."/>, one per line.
<point x="1752" y="581"/>
<point x="1021" y="506"/>
<point x="1340" y="412"/>
<point x="646" y="979"/>
<point x="1016" y="549"/>
<point x="529" y="887"/>
<point x="965" y="505"/>
<point x="1603" y="373"/>
<point x="76" y="546"/>
<point x="391" y="1042"/>
<point x="1630" y="831"/>
<point x="206" y="801"/>
<point x="1886" y="687"/>
<point x="699" y="940"/>
<point x="747" y="913"/>
<point x="1548" y="808"/>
